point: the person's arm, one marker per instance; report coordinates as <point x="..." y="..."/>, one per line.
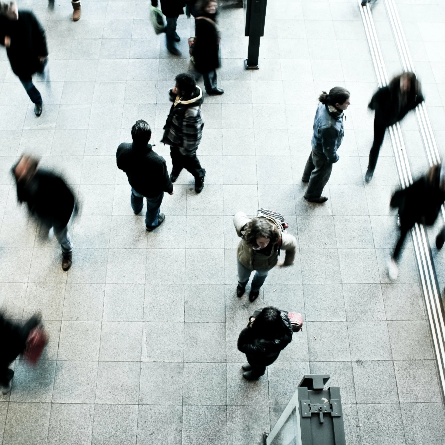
<point x="191" y="129"/>
<point x="39" y="38"/>
<point x="168" y="187"/>
<point x="249" y="345"/>
<point x="289" y="245"/>
<point x="329" y="139"/>
<point x="239" y="221"/>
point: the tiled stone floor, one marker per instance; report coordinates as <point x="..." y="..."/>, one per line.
<point x="144" y="326"/>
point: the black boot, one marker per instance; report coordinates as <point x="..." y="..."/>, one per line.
<point x="199" y="184"/>
<point x="249" y="375"/>
<point x="246" y="367"/>
<point x="253" y="295"/>
<point x="240" y="290"/>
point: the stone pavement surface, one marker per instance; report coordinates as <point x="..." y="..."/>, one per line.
<point x="144" y="326"/>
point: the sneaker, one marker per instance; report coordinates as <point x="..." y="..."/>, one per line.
<point x="368" y="176"/>
<point x="246" y="367"/>
<point x="161" y="219"/>
<point x="215" y="92"/>
<point x="319" y="200"/>
<point x="38" y="108"/>
<point x="393" y="269"/>
<point x="67" y="260"/>
<point x="253" y="295"/>
<point x="240" y="290"/>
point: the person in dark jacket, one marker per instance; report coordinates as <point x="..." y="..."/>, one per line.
<point x="172" y="9"/>
<point x="14" y="337"/>
<point x="183" y="129"/>
<point x="419" y="203"/>
<point x="147" y="174"/>
<point x="206" y="45"/>
<point x="25" y="42"/>
<point x="326" y="140"/>
<point x="49" y="200"/>
<point x="391" y="104"/>
<point x="266" y="335"/>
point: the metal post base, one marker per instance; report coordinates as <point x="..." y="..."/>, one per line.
<point x="250" y="67"/>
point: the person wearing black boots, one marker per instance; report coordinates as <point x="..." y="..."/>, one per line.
<point x="263" y="339"/>
<point x="258" y="250"/>
<point x="391" y="104"/>
<point x="183" y="129"/>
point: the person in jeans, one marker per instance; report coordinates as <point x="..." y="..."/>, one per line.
<point x="326" y="140"/>
<point x="261" y="241"/>
<point x="147" y="174"/>
<point x="391" y="104"/>
<point x="25" y="42"/>
<point x="183" y="129"/>
<point x="263" y="339"/>
<point x="172" y="9"/>
<point x="77" y="8"/>
<point x="49" y="200"/>
<point x="206" y="45"/>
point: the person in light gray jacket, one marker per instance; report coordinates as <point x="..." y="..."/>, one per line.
<point x="326" y="140"/>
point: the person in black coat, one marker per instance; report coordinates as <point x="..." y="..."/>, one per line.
<point x="206" y="45"/>
<point x="25" y="42"/>
<point x="266" y="335"/>
<point x="147" y="174"/>
<point x="419" y="203"/>
<point x="14" y="337"/>
<point x="49" y="200"/>
<point x="172" y="9"/>
<point x="391" y="104"/>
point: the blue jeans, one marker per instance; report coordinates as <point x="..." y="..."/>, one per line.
<point x="153" y="206"/>
<point x="32" y="91"/>
<point x="244" y="275"/>
<point x="170" y="31"/>
<point x="210" y="80"/>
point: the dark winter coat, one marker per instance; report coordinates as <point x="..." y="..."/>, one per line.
<point x="263" y="352"/>
<point x="387" y="105"/>
<point x="172" y="8"/>
<point x="12" y="342"/>
<point x="206" y="45"/>
<point x="28" y="43"/>
<point x="146" y="170"/>
<point x="419" y="203"/>
<point x="48" y="197"/>
<point x="184" y="124"/>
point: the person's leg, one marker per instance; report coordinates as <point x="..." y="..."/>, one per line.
<point x="396" y="254"/>
<point x="177" y="163"/>
<point x="440" y="239"/>
<point x="62" y="235"/>
<point x="170" y="32"/>
<point x="308" y="169"/>
<point x="210" y="81"/>
<point x="319" y="176"/>
<point x="153" y="207"/>
<point x="32" y="91"/>
<point x="259" y="279"/>
<point x="379" y="135"/>
<point x="243" y="274"/>
<point x="192" y="165"/>
<point x="137" y="201"/>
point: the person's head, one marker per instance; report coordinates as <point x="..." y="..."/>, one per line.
<point x="26" y="168"/>
<point x="141" y="132"/>
<point x="9" y="9"/>
<point x="260" y="232"/>
<point x="268" y="323"/>
<point x="435" y="176"/>
<point x="338" y="97"/>
<point x="406" y="82"/>
<point x="207" y="6"/>
<point x="185" y="84"/>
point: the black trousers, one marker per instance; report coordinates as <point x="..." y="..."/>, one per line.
<point x="379" y="135"/>
<point x="259" y="365"/>
<point x="190" y="163"/>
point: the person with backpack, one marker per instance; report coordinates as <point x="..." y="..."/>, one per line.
<point x="183" y="129"/>
<point x="326" y="140"/>
<point x="266" y="335"/>
<point x="205" y="49"/>
<point x="147" y="174"/>
<point x="418" y="203"/>
<point x="391" y="104"/>
<point x="262" y="239"/>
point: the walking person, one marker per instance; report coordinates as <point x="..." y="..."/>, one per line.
<point x="49" y="200"/>
<point x="326" y="140"/>
<point x="391" y="104"/>
<point x="25" y="42"/>
<point x="77" y="8"/>
<point x="147" y="174"/>
<point x="172" y="9"/>
<point x="183" y="129"/>
<point x="262" y="239"/>
<point x="14" y="337"/>
<point x="263" y="339"/>
<point x="206" y="45"/>
<point x="419" y="203"/>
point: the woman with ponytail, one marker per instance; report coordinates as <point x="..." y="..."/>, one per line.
<point x="326" y="140"/>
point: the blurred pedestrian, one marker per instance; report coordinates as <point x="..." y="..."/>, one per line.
<point x="49" y="200"/>
<point x="206" y="45"/>
<point x="418" y="203"/>
<point x="25" y="42"/>
<point x="326" y="140"/>
<point x="172" y="9"/>
<point x="77" y="8"/>
<point x="391" y="104"/>
<point x="183" y="129"/>
<point x="261" y="242"/>
<point x="147" y="174"/>
<point x="14" y="337"/>
<point x="263" y="339"/>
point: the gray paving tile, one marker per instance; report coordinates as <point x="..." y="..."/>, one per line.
<point x="211" y="237"/>
<point x="403" y="302"/>
<point x="123" y="302"/>
<point x="203" y="341"/>
<point x="88" y="266"/>
<point x="205" y="304"/>
<point x="204" y="424"/>
<point x="13" y="299"/>
<point x="213" y="204"/>
<point x="324" y="302"/>
<point x="358" y="266"/>
<point x="46" y="298"/>
<point x="328" y="341"/>
<point x="320" y="266"/>
<point x="84" y="302"/>
<point x="163" y="342"/>
<point x="158" y="423"/>
<point x="369" y="340"/>
<point x="121" y="341"/>
<point x="353" y="232"/>
<point x="126" y="266"/>
<point x="79" y="340"/>
<point x="240" y="416"/>
<point x="316" y="231"/>
<point x="204" y="266"/>
<point x="364" y="302"/>
<point x="277" y="196"/>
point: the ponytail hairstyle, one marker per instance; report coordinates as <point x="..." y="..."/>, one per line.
<point x="337" y="95"/>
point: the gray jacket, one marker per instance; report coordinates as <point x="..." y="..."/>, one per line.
<point x="328" y="131"/>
